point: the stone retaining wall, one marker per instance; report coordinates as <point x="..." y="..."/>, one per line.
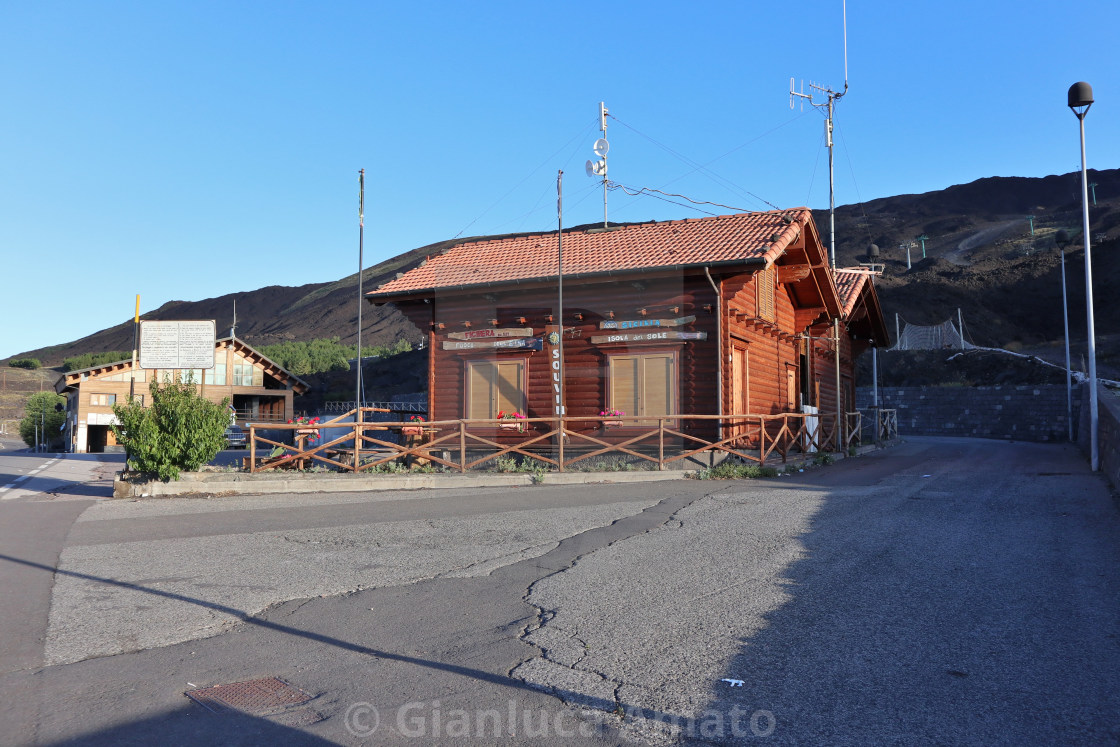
<point x="1108" y="432"/>
<point x="1021" y="413"/>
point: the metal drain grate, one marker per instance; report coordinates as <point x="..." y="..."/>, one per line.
<point x="256" y="697"/>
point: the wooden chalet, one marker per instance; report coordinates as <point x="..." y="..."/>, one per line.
<point x="259" y="391"/>
<point x="732" y="314"/>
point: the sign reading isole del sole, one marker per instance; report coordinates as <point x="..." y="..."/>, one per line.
<point x="505" y="344"/>
<point x="649" y="336"/>
<point x="183" y="344"/>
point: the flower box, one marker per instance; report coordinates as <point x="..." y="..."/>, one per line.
<point x="412" y="430"/>
<point x="612" y="423"/>
<point x="512" y="427"/>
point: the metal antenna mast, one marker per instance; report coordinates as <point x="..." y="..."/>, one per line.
<point x="599" y="168"/>
<point x="831" y="97"/>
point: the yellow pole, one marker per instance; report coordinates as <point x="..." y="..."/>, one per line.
<point x="135" y="344"/>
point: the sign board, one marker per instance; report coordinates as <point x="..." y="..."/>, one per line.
<point x="484" y="334"/>
<point x="519" y="343"/>
<point x="642" y="323"/>
<point x="649" y="336"/>
<point x="177" y="344"/>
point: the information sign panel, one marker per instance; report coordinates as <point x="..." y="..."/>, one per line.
<point x="183" y="344"/>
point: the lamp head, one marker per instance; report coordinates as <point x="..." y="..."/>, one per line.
<point x="1061" y="238"/>
<point x="1080" y="98"/>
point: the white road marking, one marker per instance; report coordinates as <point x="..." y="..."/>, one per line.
<point x="20" y="479"/>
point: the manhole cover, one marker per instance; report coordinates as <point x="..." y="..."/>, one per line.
<point x="256" y="697"/>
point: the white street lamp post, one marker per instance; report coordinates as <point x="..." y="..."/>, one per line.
<point x="1079" y="99"/>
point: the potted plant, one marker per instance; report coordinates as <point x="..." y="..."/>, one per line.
<point x="307" y="433"/>
<point x="611" y="417"/>
<point x="514" y="421"/>
<point x="416" y="429"/>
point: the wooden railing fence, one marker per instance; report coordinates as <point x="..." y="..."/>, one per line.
<point x="556" y="444"/>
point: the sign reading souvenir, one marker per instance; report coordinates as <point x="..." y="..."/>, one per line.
<point x="515" y="343"/>
<point x="649" y="336"/>
<point x="642" y="323"/>
<point x="557" y="372"/>
<point x="185" y="344"/>
<point x="485" y="334"/>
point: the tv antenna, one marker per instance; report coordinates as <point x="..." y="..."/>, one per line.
<point x="829" y="104"/>
<point x="599" y="167"/>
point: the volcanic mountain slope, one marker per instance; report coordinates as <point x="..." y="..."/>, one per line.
<point x="981" y="258"/>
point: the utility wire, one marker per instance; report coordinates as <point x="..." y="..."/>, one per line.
<point x="581" y="134"/>
<point x="723" y="181"/>
<point x="636" y="192"/>
<point x="848" y="156"/>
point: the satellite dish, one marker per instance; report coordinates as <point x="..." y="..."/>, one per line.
<point x="601" y="147"/>
<point x="589" y="168"/>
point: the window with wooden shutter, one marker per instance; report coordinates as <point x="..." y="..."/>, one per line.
<point x="643" y="385"/>
<point x="764" y="282"/>
<point x="493" y="387"/>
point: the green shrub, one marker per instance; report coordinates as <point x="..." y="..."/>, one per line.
<point x="40" y="416"/>
<point x="181" y="430"/>
<point x="735" y="471"/>
<point x="31" y="363"/>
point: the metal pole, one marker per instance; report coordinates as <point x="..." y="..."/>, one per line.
<point x="558" y="369"/>
<point x="839" y="399"/>
<point x="361" y="247"/>
<point x="875" y="378"/>
<point x="832" y="191"/>
<point x="1069" y="376"/>
<point x="603" y="129"/>
<point x="135" y="345"/>
<point x="1094" y="448"/>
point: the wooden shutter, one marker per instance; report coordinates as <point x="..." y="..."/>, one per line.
<point x="657" y="385"/>
<point x="509" y="395"/>
<point x="494" y="387"/>
<point x="480" y="378"/>
<point x="643" y="384"/>
<point x="764" y="282"/>
<point x="624" y="384"/>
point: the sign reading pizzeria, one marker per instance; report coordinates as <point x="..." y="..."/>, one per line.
<point x="487" y="334"/>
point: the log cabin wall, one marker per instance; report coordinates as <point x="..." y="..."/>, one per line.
<point x="636" y="301"/>
<point x="772" y="351"/>
<point x="823" y="375"/>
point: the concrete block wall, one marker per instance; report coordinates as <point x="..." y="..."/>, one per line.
<point x="1108" y="432"/>
<point x="1021" y="413"/>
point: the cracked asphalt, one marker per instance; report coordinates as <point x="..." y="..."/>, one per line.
<point x="942" y="591"/>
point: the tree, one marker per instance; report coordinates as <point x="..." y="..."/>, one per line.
<point x="31" y="363"/>
<point x="40" y="416"/>
<point x="181" y="430"/>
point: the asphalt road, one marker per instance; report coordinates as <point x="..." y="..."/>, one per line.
<point x="941" y="591"/>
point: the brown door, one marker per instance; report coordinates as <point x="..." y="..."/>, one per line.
<point x="740" y="390"/>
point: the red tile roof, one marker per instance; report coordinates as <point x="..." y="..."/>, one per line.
<point x="724" y="239"/>
<point x="849" y="283"/>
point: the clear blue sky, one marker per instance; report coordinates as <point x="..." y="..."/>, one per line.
<point x="188" y="150"/>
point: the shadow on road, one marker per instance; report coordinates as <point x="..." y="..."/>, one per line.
<point x="976" y="604"/>
<point x="600" y="704"/>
